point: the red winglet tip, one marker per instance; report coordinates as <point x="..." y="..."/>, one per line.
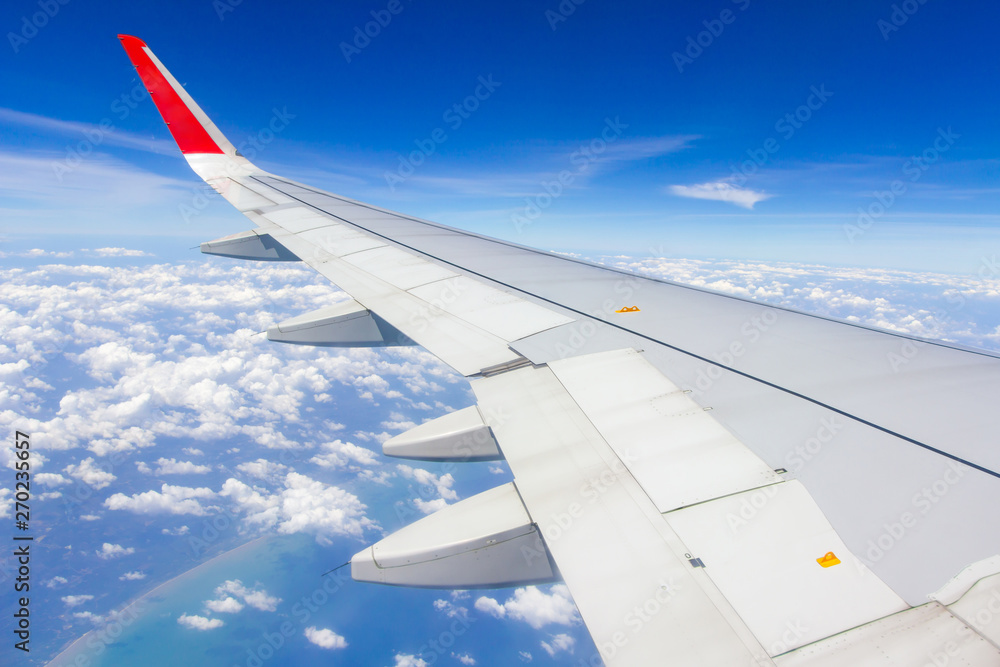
<point x="190" y="135"/>
<point x="132" y="40"/>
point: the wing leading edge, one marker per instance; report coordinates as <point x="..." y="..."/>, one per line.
<point x="638" y="445"/>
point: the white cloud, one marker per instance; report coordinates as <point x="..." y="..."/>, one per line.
<point x="38" y="253"/>
<point x="109" y="551"/>
<point x="398" y="424"/>
<point x="258" y="599"/>
<point x="227" y="605"/>
<point x="325" y="638"/>
<point x="490" y="606"/>
<point x="440" y="484"/>
<point x="120" y="252"/>
<point x="96" y="619"/>
<point x="93" y="475"/>
<point x="39" y="176"/>
<point x="193" y="451"/>
<point x="205" y="379"/>
<point x="464" y="658"/>
<point x="303" y="506"/>
<point x="199" y="622"/>
<point x="176" y="532"/>
<point x="262" y="469"/>
<point x="720" y="191"/>
<point x="51" y="479"/>
<point x="382" y="477"/>
<point x="557" y="643"/>
<point x="525" y="656"/>
<point x="89" y="517"/>
<point x="168" y="500"/>
<point x="409" y="660"/>
<point x="430" y="506"/>
<point x="534" y="607"/>
<point x="56" y="581"/>
<point x="451" y="610"/>
<point x="175" y="467"/>
<point x="338" y="454"/>
<point x="80" y="130"/>
<point x="958" y="308"/>
<point x="135" y="575"/>
<point x="76" y="600"/>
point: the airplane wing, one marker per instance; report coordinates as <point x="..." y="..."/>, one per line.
<point x="718" y="481"/>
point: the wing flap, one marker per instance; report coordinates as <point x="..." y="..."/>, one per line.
<point x="630" y="574"/>
<point x="765" y="549"/>
<point x="462" y="320"/>
<point x="673" y="447"/>
<point x="925" y="635"/>
<point x="464" y="347"/>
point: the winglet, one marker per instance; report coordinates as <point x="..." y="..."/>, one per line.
<point x="190" y="127"/>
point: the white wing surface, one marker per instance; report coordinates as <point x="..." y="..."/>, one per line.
<point x="718" y="481"/>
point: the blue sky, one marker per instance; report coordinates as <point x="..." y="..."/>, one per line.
<point x="687" y="124"/>
<point x="134" y="357"/>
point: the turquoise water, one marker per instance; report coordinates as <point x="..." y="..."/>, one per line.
<point x="288" y="567"/>
<point x="378" y="622"/>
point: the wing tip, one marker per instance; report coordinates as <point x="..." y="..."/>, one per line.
<point x="130" y="40"/>
<point x="189" y="126"/>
